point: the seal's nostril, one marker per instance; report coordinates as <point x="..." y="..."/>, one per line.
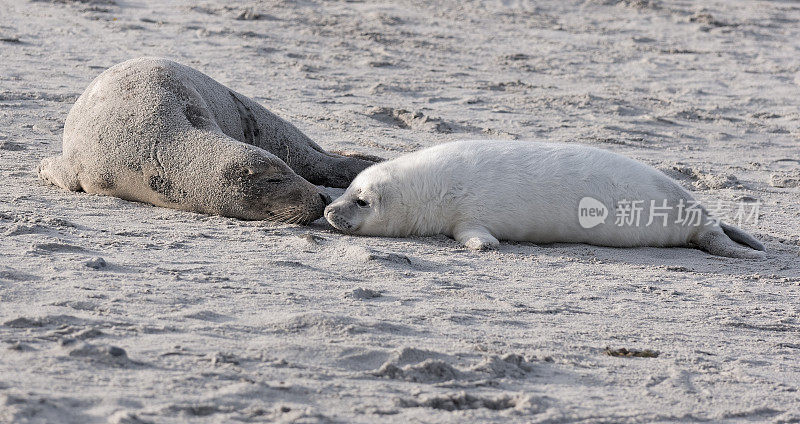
<point x="325" y="198"/>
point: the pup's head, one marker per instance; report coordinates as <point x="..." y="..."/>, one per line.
<point x="372" y="205"/>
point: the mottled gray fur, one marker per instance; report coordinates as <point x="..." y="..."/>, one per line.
<point x="155" y="131"/>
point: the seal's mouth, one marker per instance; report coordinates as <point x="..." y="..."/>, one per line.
<point x="339" y="223"/>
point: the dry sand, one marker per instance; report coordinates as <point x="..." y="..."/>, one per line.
<point x="205" y="319"/>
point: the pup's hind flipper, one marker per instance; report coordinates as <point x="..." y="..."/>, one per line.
<point x="717" y="242"/>
<point x="742" y="237"/>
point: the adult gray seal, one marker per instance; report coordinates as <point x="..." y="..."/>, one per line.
<point x="155" y="131"/>
<point x="482" y="191"/>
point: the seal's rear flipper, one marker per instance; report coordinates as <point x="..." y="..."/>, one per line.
<point x="742" y="237"/>
<point x="717" y="242"/>
<point x="337" y="169"/>
<point x="53" y="170"/>
<point x="359" y="155"/>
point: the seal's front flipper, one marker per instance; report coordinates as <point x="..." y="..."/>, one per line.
<point x="55" y="170"/>
<point x="476" y="238"/>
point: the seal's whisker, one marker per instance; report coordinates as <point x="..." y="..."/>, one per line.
<point x="283" y="212"/>
<point x="284" y="218"/>
<point x="299" y="217"/>
<point x="289" y="215"/>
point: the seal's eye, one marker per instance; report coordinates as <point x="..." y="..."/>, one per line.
<point x="362" y="203"/>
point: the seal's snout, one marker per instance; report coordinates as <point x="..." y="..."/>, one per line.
<point x="334" y="217"/>
<point x="328" y="212"/>
<point x="325" y="198"/>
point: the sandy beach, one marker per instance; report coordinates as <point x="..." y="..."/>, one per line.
<point x="120" y="312"/>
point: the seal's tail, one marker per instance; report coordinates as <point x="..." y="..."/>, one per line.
<point x="727" y="240"/>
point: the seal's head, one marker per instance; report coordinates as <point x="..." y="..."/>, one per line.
<point x="269" y="189"/>
<point x="372" y="205"/>
<point x="248" y="183"/>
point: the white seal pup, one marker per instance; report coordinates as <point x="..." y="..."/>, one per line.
<point x="152" y="130"/>
<point x="480" y="191"/>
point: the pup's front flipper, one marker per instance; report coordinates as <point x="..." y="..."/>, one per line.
<point x="476" y="238"/>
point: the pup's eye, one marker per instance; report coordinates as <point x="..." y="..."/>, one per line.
<point x="362" y="203"/>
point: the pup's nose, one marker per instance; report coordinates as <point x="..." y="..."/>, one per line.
<point x="325" y="198"/>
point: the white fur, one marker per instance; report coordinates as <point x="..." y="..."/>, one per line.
<point x="482" y="191"/>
